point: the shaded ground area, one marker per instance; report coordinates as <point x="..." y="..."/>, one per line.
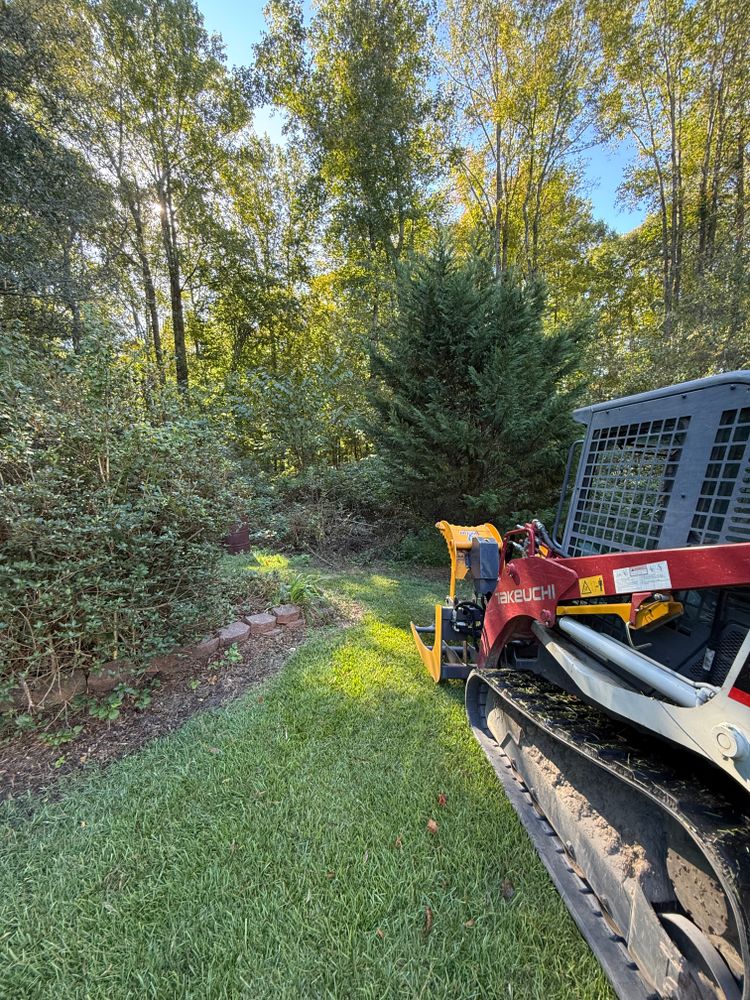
<point x="28" y="765"/>
<point x="335" y="832"/>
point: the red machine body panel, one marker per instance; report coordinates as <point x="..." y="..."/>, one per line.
<point x="529" y="589"/>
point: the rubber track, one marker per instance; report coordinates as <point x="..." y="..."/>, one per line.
<point x="711" y="816"/>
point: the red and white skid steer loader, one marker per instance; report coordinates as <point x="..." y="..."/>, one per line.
<point x="608" y="681"/>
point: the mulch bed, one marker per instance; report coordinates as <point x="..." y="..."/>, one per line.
<point x="29" y="765"/>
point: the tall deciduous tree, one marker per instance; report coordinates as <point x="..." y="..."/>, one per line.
<point x="52" y="205"/>
<point x="524" y="74"/>
<point x="678" y="88"/>
<point x="180" y="112"/>
<point x="357" y="84"/>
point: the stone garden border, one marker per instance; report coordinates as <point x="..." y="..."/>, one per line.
<point x="71" y="683"/>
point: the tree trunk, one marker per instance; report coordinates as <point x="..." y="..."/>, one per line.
<point x="169" y="237"/>
<point x="736" y="318"/>
<point x="69" y="298"/>
<point x="498" y="205"/>
<point x="149" y="289"/>
<point x="676" y="195"/>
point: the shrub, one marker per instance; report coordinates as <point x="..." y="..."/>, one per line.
<point x="110" y="519"/>
<point x="425" y="546"/>
<point x="336" y="509"/>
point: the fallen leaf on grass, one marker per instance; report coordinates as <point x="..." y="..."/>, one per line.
<point x="469" y="923"/>
<point x="260" y="700"/>
<point x="214" y="750"/>
<point x="398" y="843"/>
<point x="365" y="857"/>
<point x="442" y="799"/>
<point x="432" y="826"/>
<point x="330" y="875"/>
<point x="508" y="889"/>
<point x="379" y="933"/>
<point x="427" y="921"/>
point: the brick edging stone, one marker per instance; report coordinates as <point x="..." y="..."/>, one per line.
<point x="75" y="682"/>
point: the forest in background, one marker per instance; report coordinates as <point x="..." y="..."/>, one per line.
<point x="385" y="318"/>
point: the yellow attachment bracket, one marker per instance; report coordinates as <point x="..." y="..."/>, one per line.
<point x="458" y="538"/>
<point x="648" y="614"/>
<point x="431" y="655"/>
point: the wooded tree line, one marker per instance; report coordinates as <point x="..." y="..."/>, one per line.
<point x="135" y="193"/>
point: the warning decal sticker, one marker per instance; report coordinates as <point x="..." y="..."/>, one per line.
<point x="591" y="586"/>
<point x="649" y="576"/>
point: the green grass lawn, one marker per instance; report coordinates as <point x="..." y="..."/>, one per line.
<point x="279" y="848"/>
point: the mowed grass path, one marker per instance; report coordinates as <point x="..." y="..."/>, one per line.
<point x="279" y="848"/>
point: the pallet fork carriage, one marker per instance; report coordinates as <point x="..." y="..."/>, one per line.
<point x="608" y="682"/>
<point x="447" y="657"/>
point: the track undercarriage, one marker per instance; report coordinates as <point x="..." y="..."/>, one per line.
<point x="654" y="867"/>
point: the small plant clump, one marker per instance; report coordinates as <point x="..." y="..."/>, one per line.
<point x="57" y="738"/>
<point x="230" y="656"/>
<point x="108" y="708"/>
<point x="302" y="589"/>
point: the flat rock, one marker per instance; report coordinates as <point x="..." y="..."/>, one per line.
<point x="261" y="624"/>
<point x="236" y="632"/>
<point x="66" y="687"/>
<point x="206" y="649"/>
<point x="168" y="663"/>
<point x="287" y="614"/>
<point x="113" y="673"/>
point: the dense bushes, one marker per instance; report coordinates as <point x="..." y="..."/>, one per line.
<point x="343" y="509"/>
<point x="110" y="516"/>
<point x="115" y="494"/>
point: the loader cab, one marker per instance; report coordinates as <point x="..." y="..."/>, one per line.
<point x="667" y="469"/>
<point x="661" y="469"/>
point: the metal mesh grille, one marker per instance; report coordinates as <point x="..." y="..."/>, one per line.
<point x="624" y="490"/>
<point x="728" y="462"/>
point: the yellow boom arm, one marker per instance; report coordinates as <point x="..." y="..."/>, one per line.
<point x="458" y="538"/>
<point x="444" y="659"/>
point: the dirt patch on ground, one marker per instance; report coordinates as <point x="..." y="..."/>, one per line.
<point x="27" y="764"/>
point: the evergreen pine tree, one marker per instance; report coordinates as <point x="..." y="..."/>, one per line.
<point x="472" y="396"/>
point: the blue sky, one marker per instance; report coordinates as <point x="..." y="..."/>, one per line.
<point x="240" y="23"/>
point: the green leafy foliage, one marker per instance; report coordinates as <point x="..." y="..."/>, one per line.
<point x="108" y="709"/>
<point x="110" y="520"/>
<point x="230" y="656"/>
<point x="424" y="546"/>
<point x="261" y="580"/>
<point x="302" y="589"/>
<point x="336" y="510"/>
<point x="58" y="737"/>
<point x="473" y="396"/>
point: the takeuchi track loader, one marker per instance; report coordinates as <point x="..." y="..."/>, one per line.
<point x="607" y="669"/>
